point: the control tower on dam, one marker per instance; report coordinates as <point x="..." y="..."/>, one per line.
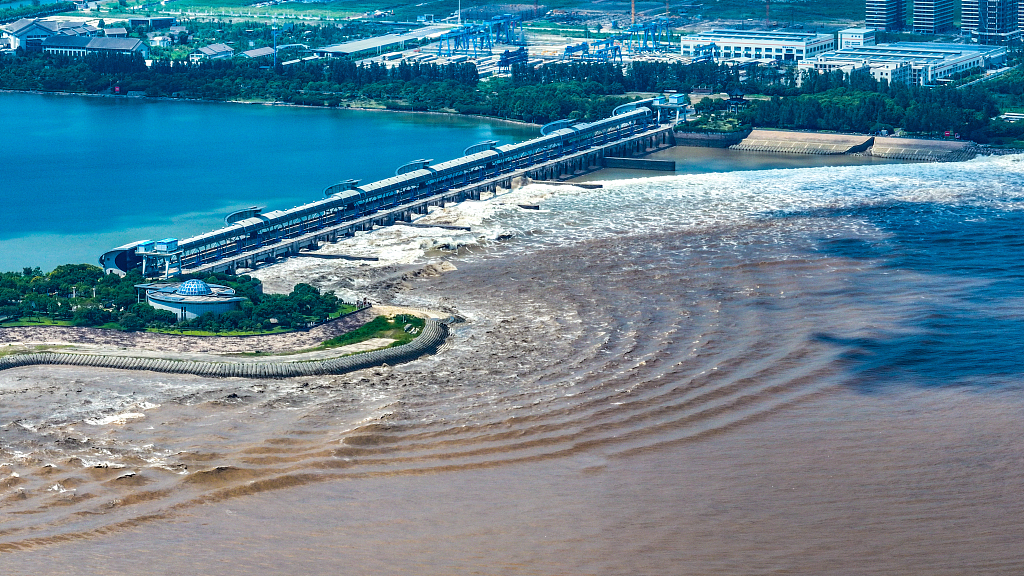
<point x="250" y="237"/>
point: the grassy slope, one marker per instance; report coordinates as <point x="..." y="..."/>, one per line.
<point x="379" y="327"/>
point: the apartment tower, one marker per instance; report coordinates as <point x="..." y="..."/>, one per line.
<point x="933" y="16"/>
<point x="885" y="15"/>
<point x="992" y="22"/>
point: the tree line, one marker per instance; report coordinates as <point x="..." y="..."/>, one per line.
<point x="837" y="101"/>
<point x="82" y="295"/>
<point x="33" y="10"/>
<point x="916" y="109"/>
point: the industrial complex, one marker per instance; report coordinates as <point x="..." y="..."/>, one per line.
<point x="497" y="43"/>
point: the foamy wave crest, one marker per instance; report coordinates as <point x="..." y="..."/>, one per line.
<point x="622" y="207"/>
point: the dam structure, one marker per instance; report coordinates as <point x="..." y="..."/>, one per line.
<point x="250" y="237"/>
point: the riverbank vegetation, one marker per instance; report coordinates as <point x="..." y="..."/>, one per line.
<point x="402" y="328"/>
<point x="82" y="295"/>
<point x="585" y="91"/>
<point x="33" y="10"/>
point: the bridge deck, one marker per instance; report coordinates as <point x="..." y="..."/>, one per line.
<point x="399" y="213"/>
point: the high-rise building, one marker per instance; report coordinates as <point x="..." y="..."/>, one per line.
<point x="885" y="15"/>
<point x="933" y="16"/>
<point x="991" y="22"/>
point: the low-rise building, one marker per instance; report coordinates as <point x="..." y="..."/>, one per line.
<point x="82" y="46"/>
<point x="119" y="32"/>
<point x="191" y="299"/>
<point x="854" y="37"/>
<point x="892" y="72"/>
<point x="154" y="23"/>
<point x="378" y="45"/>
<point x="212" y="52"/>
<point x="926" y="63"/>
<point x="258" y="53"/>
<point x="29" y="33"/>
<point x="758" y="45"/>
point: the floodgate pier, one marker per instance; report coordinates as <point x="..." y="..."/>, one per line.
<point x="250" y="237"/>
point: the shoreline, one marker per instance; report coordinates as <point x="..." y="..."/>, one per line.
<point x="275" y="103"/>
<point x="287" y="342"/>
<point x="292" y="354"/>
<point x="982" y="149"/>
<point x="341" y="361"/>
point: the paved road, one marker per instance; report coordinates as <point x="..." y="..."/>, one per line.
<point x="988" y="76"/>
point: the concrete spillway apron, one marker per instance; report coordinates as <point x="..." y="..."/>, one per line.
<point x="429" y="340"/>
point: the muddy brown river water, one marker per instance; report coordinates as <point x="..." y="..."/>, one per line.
<point x="810" y="371"/>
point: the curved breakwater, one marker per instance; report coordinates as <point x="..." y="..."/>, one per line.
<point x="427" y="342"/>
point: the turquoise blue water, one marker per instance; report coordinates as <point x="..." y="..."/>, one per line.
<point x="81" y="175"/>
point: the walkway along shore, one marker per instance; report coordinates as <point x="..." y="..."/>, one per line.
<point x="433" y="335"/>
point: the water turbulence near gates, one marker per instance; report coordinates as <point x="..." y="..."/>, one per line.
<point x="636" y="318"/>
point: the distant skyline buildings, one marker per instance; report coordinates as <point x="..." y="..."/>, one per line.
<point x="885" y="15"/>
<point x="933" y="16"/>
<point x="991" y="21"/>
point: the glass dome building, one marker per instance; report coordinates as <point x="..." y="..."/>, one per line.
<point x="190" y="299"/>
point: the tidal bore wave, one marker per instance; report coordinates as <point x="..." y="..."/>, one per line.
<point x="615" y="321"/>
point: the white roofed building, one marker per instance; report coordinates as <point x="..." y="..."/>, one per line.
<point x="853" y="37"/>
<point x="212" y="52"/>
<point x="758" y="45"/>
<point x="258" y="53"/>
<point x="927" y="63"/>
<point x="378" y="44"/>
<point x="190" y="299"/>
<point x="29" y="33"/>
<point x="83" y="46"/>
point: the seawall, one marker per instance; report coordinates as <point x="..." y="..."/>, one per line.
<point x="427" y="342"/>
<point x="188" y="344"/>
<point x="923" y="150"/>
<point x="710" y="139"/>
<point x="802" y="142"/>
<point x="914" y="149"/>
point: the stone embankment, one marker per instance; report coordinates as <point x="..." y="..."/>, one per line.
<point x="802" y="142"/>
<point x="284" y="342"/>
<point x="923" y="150"/>
<point x="427" y="342"/>
<point x="917" y="149"/>
<point x="710" y="139"/>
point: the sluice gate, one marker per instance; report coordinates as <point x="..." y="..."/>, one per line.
<point x="559" y="154"/>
